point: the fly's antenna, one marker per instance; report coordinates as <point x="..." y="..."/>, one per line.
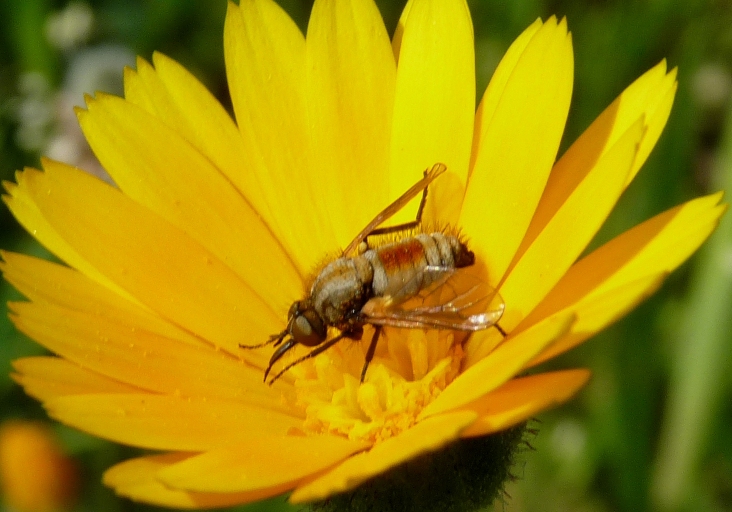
<point x="280" y="352"/>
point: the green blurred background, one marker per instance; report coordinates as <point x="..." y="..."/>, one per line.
<point x="653" y="430"/>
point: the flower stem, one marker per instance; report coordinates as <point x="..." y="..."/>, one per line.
<point x="702" y="356"/>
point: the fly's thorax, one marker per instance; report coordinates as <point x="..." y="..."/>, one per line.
<point x="341" y="289"/>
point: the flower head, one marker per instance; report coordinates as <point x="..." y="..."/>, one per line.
<point x="216" y="226"/>
<point x="35" y="473"/>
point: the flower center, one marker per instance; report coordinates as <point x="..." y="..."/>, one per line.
<point x="410" y="368"/>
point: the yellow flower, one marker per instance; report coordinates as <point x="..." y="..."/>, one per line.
<point x="35" y="473"/>
<point x="214" y="228"/>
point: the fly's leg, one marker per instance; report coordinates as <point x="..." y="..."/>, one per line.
<point x="407" y="225"/>
<point x="370" y="352"/>
<point x="500" y="329"/>
<point x="373" y="226"/>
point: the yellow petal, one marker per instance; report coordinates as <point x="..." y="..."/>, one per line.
<point x="156" y="167"/>
<point x="34" y="221"/>
<point x="520" y="399"/>
<point x="45" y="378"/>
<point x="144" y="89"/>
<point x="543" y="263"/>
<point x="260" y="463"/>
<point x="137" y="479"/>
<point x="265" y="65"/>
<point x="163" y="422"/>
<point x="649" y="98"/>
<point x="657" y="102"/>
<point x="492" y="97"/>
<point x="499" y="366"/>
<point x="518" y="127"/>
<point x="596" y="311"/>
<point x="350" y="75"/>
<point x="654" y="247"/>
<point x="426" y="436"/>
<point x="648" y="101"/>
<point x="132" y="355"/>
<point x="396" y="42"/>
<point x="179" y="279"/>
<point x="176" y="97"/>
<point x="42" y="281"/>
<point x="434" y="105"/>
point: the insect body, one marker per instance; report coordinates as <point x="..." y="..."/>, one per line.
<point x="414" y="282"/>
<point x="398" y="271"/>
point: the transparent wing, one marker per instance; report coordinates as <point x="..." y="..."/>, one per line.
<point x="454" y="299"/>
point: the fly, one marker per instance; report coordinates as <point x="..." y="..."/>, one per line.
<point x="413" y="283"/>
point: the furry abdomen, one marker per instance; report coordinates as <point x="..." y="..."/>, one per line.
<point x="397" y="269"/>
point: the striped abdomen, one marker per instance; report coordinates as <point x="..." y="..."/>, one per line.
<point x="343" y="286"/>
<point x="402" y="264"/>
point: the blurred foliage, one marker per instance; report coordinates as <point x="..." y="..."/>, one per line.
<point x="652" y="430"/>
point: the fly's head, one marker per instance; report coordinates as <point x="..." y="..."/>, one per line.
<point x="305" y="326"/>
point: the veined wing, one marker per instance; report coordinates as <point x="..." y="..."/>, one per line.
<point x="454" y="299"/>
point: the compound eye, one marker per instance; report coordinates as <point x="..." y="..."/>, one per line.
<point x="294" y="309"/>
<point x="307" y="329"/>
